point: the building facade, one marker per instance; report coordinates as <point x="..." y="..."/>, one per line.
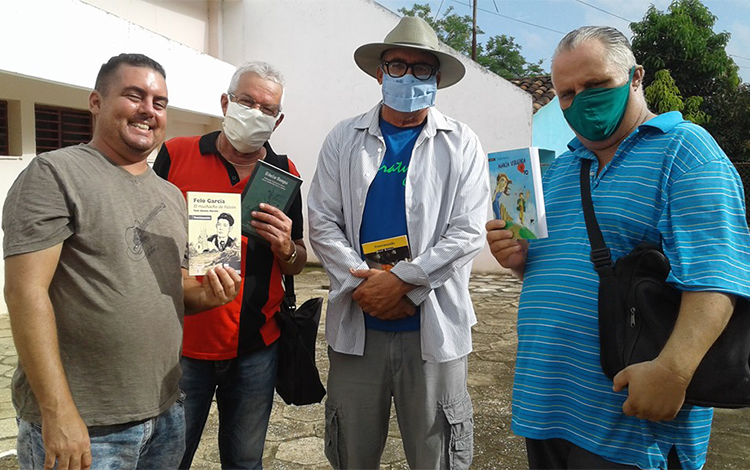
<point x="53" y="50"/>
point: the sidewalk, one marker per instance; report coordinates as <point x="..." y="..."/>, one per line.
<point x="295" y="436"/>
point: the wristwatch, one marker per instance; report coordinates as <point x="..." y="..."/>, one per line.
<point x="293" y="256"/>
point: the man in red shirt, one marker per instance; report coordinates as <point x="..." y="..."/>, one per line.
<point x="232" y="350"/>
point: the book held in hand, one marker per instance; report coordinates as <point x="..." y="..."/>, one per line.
<point x="517" y="196"/>
<point x="214" y="221"/>
<point x="270" y="185"/>
<point x="385" y="254"/>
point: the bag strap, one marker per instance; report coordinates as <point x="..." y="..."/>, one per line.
<point x="600" y="254"/>
<point x="290" y="297"/>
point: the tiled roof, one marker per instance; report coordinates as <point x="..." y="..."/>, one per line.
<point x="540" y="89"/>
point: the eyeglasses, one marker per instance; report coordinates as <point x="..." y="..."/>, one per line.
<point x="397" y="69"/>
<point x="250" y="103"/>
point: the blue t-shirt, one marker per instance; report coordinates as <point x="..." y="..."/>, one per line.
<point x="669" y="183"/>
<point x="384" y="214"/>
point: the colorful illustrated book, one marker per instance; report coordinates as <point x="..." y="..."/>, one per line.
<point x="214" y="221"/>
<point x="269" y="185"/>
<point x="516" y="184"/>
<point x="385" y="254"/>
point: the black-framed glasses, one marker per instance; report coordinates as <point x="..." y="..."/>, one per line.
<point x="398" y="69"/>
<point x="250" y="103"/>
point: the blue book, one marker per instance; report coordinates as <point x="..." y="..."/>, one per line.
<point x="517" y="196"/>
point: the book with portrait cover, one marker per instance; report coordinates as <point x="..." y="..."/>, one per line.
<point x="271" y="185"/>
<point x="214" y="221"/>
<point x="385" y="254"/>
<point x="517" y="196"/>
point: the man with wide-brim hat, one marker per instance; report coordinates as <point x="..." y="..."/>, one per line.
<point x="397" y="208"/>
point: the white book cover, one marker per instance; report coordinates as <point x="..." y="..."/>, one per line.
<point x="214" y="237"/>
<point x="517" y="196"/>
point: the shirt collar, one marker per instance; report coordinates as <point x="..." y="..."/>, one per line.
<point x="662" y="123"/>
<point x="435" y="122"/>
<point x="207" y="145"/>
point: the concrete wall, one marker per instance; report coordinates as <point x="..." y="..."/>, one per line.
<point x="58" y="63"/>
<point x="70" y="52"/>
<point x="551" y="131"/>
<point x="186" y="22"/>
<point x="312" y="42"/>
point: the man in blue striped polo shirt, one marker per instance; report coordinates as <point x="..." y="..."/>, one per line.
<point x="654" y="178"/>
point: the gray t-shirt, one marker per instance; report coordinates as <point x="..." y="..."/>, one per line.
<point x="117" y="291"/>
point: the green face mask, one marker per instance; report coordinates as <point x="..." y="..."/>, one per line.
<point x="597" y="113"/>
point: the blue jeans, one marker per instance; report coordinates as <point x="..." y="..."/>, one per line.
<point x="244" y="389"/>
<point x="158" y="442"/>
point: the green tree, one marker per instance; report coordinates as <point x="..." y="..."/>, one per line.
<point x="682" y="40"/>
<point x="692" y="111"/>
<point x="500" y="54"/>
<point x="730" y="122"/>
<point x="503" y="56"/>
<point x="663" y="96"/>
<point x="452" y="29"/>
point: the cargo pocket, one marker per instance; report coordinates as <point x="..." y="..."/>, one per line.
<point x="460" y="438"/>
<point x="332" y="436"/>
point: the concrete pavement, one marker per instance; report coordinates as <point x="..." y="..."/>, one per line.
<point x="295" y="436"/>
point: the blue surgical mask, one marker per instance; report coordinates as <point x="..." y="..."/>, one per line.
<point x="408" y="94"/>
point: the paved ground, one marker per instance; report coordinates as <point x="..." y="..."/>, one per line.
<point x="295" y="438"/>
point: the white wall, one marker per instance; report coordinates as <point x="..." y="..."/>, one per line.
<point x="313" y="41"/>
<point x="58" y="63"/>
<point x="183" y="21"/>
<point x="72" y="39"/>
<point x="24" y="92"/>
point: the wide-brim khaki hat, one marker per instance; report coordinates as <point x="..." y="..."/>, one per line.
<point x="411" y="33"/>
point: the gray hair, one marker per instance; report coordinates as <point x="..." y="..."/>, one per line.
<point x="264" y="70"/>
<point x="619" y="53"/>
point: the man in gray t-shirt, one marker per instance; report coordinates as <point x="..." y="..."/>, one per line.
<point x="94" y="245"/>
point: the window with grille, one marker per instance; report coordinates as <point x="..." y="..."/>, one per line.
<point x="3" y="127"/>
<point x="61" y="127"/>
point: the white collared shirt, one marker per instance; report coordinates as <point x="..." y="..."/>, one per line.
<point x="447" y="192"/>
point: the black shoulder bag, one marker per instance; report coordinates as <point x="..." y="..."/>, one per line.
<point x="638" y="310"/>
<point x="297" y="379"/>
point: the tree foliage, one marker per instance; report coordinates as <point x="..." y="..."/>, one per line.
<point x="730" y="122"/>
<point x="503" y="56"/>
<point x="500" y="54"/>
<point x="663" y="96"/>
<point x="682" y="40"/>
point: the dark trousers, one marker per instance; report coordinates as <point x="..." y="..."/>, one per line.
<point x="549" y="454"/>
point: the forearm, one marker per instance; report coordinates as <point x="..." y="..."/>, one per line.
<point x="332" y="247"/>
<point x="219" y="286"/>
<point x="702" y="318"/>
<point x="432" y="268"/>
<point x="299" y="263"/>
<point x="192" y="296"/>
<point x="35" y="335"/>
<point x="518" y="273"/>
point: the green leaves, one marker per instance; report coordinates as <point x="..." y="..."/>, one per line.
<point x="682" y="41"/>
<point x="500" y="54"/>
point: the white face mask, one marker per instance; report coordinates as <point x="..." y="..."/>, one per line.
<point x="247" y="129"/>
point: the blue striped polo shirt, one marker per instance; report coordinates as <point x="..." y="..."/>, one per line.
<point x="668" y="183"/>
